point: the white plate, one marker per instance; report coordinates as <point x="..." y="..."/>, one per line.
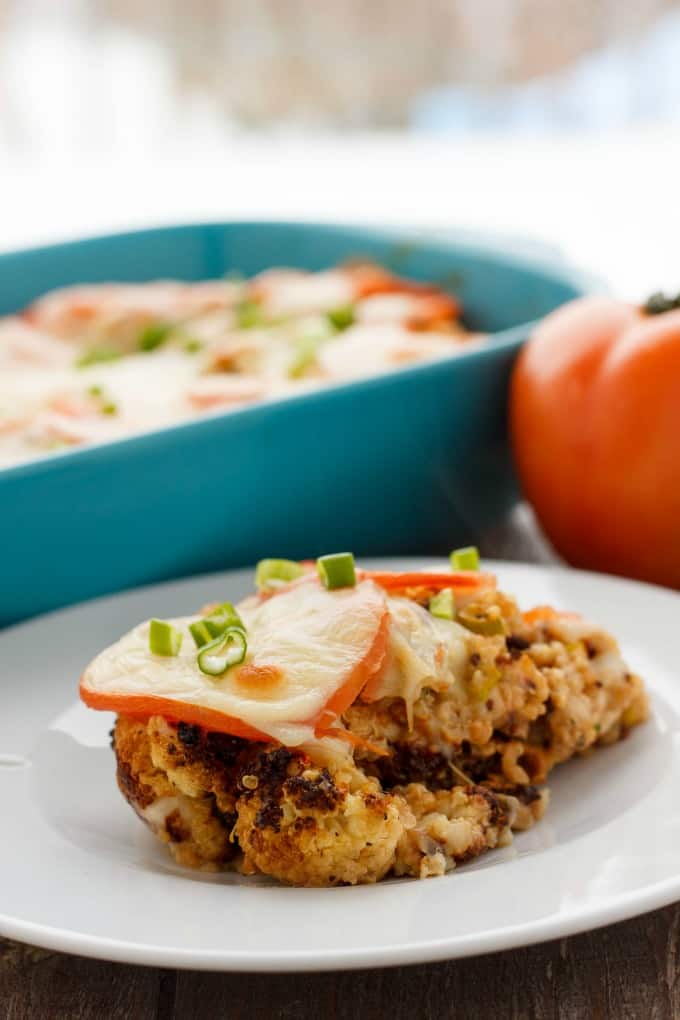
<point x="79" y="872"/>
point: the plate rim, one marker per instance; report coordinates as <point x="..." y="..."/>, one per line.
<point x="458" y="947"/>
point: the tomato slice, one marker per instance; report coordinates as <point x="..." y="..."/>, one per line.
<point x="430" y="310"/>
<point x="315" y="648"/>
<point x="463" y="581"/>
<point x="396" y="582"/>
<point x="143" y="706"/>
<point x="547" y="613"/>
<point x="368" y="279"/>
<point x="369" y="666"/>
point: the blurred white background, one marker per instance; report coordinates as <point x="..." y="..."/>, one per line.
<point x="554" y="122"/>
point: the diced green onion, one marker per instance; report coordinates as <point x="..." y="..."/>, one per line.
<point x="104" y="405"/>
<point x="465" y="559"/>
<point x="164" y="639"/>
<point x="227" y="650"/>
<point x="192" y="346"/>
<point x="97" y="355"/>
<point x="272" y="573"/>
<point x="443" y="605"/>
<point x="306" y="351"/>
<point x="337" y="570"/>
<point x="227" y="613"/>
<point x="248" y="314"/>
<point x="223" y="618"/>
<point x="311" y="334"/>
<point x="201" y="634"/>
<point x="215" y="624"/>
<point x="341" y="318"/>
<point x="154" y="336"/>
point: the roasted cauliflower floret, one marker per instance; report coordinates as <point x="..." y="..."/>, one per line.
<point x="196" y="830"/>
<point x="216" y="799"/>
<point x="452" y="826"/>
<point x="304" y="826"/>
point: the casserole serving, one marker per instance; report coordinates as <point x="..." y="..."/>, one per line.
<point x="99" y="362"/>
<point x="344" y="724"/>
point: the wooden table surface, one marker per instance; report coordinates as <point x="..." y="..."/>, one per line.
<point x="625" y="972"/>
<point x="628" y="971"/>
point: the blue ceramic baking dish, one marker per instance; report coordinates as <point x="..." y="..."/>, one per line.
<point x="415" y="461"/>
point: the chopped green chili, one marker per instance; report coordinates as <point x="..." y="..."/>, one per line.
<point x="466" y="558"/>
<point x="479" y="622"/>
<point x="337" y="570"/>
<point x="270" y="573"/>
<point x="443" y="605"/>
<point x="483" y="689"/>
<point x="164" y="639"/>
<point x="227" y="650"/>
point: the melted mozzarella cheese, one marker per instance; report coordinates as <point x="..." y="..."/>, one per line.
<point x="305" y="642"/>
<point x="72" y="372"/>
<point x="366" y="349"/>
<point x="290" y="291"/>
<point x="423" y="651"/>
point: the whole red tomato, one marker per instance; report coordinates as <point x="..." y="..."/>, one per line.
<point x="595" y="424"/>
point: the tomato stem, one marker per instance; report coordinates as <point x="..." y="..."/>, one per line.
<point x="658" y="303"/>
